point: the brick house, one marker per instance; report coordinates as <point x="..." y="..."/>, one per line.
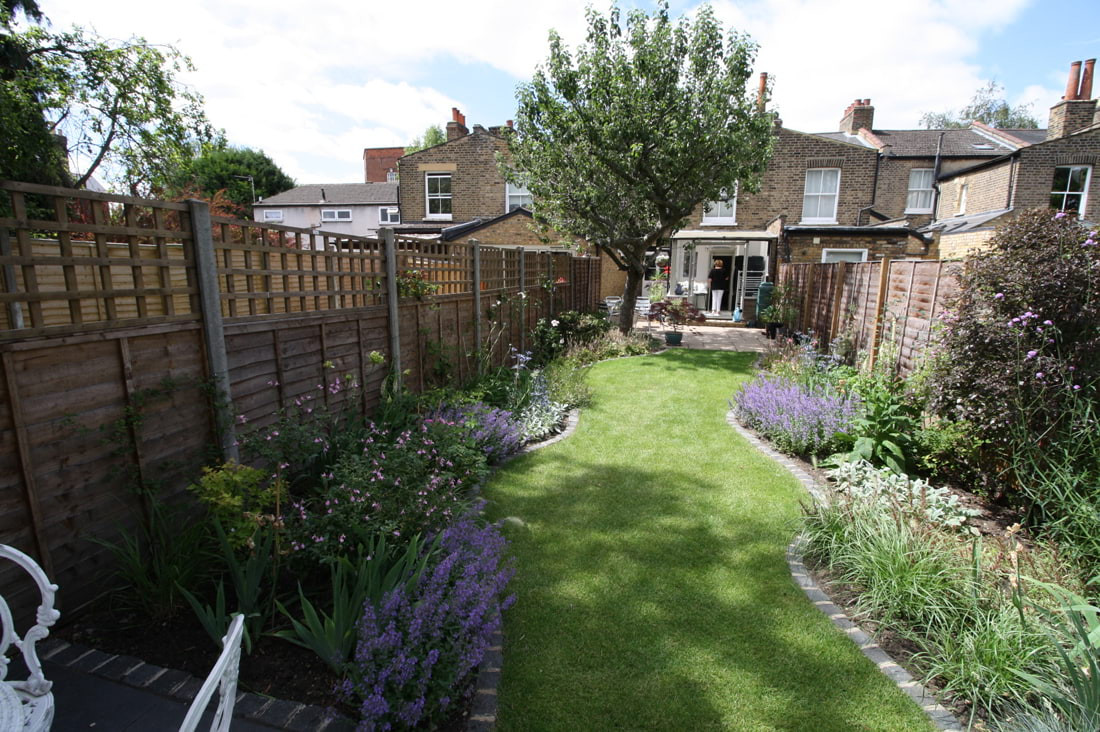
<point x="380" y="164"/>
<point x="1055" y="171"/>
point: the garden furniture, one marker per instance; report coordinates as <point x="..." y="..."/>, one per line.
<point x="223" y="679"/>
<point x="613" y="303"/>
<point x="26" y="704"/>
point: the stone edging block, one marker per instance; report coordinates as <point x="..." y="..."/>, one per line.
<point x="937" y="714"/>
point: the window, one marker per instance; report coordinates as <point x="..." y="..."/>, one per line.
<point x="389" y="215"/>
<point x="273" y="214"/>
<point x="336" y="214"/>
<point x="843" y="255"/>
<point x="1071" y="185"/>
<point x="819" y="200"/>
<point x="438" y="187"/>
<point x="722" y="211"/>
<point x="963" y="189"/>
<point x="515" y="197"/>
<point x="920" y="191"/>
<point x="391" y="176"/>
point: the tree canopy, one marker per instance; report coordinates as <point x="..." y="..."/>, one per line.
<point x="988" y="105"/>
<point x="225" y="168"/>
<point x="620" y="140"/>
<point x="113" y="109"/>
<point x="432" y="136"/>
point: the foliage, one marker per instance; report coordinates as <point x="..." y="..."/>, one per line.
<point x="860" y="481"/>
<point x="219" y="167"/>
<point x="567" y="383"/>
<point x="622" y="138"/>
<point x="489" y="430"/>
<point x="541" y="416"/>
<point x="120" y="106"/>
<point x="1014" y="355"/>
<point x="798" y="419"/>
<point x="784" y="306"/>
<point x="432" y="136"/>
<point x="415" y="283"/>
<point x="374" y="572"/>
<point x="884" y="430"/>
<point x="988" y="105"/>
<point x="676" y="312"/>
<point x="240" y="499"/>
<point x="551" y="337"/>
<point x="417" y="650"/>
<point x="610" y="345"/>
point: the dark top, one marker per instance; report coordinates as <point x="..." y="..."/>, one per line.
<point x="719" y="278"/>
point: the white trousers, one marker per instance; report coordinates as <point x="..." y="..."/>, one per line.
<point x="716" y="300"/>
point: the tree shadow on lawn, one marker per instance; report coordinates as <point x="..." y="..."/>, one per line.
<point x="647" y="600"/>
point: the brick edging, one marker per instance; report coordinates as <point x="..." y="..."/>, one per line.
<point x="937" y="714"/>
<point x="182" y="687"/>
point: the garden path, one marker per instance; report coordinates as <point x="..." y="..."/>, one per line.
<point x="653" y="590"/>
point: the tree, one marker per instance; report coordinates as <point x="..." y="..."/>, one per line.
<point x="226" y="168"/>
<point x="988" y="105"/>
<point x="621" y="141"/>
<point x="432" y="136"/>
<point x="120" y="107"/>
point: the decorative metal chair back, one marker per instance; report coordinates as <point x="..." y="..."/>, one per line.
<point x="29" y="700"/>
<point x="223" y="679"/>
<point x="613" y="302"/>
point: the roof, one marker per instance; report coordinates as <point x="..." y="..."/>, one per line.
<point x="962" y="224"/>
<point x="966" y="143"/>
<point x="466" y="227"/>
<point x="335" y="193"/>
<point x="722" y="234"/>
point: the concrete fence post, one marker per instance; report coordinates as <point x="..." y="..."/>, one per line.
<point x="477" y="302"/>
<point x="393" y="315"/>
<point x="213" y="327"/>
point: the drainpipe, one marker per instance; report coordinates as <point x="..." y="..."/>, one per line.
<point x="936" y="176"/>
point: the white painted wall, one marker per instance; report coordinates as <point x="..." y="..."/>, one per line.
<point x="364" y="219"/>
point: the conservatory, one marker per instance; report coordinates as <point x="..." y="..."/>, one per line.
<point x="746" y="254"/>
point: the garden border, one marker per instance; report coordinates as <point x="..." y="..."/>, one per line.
<point x="937" y="713"/>
<point x="483" y="710"/>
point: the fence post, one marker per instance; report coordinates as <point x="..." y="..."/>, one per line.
<point x="390" y="255"/>
<point x="838" y="295"/>
<point x="522" y="300"/>
<point x="477" y="302"/>
<point x="15" y="313"/>
<point x="880" y="302"/>
<point x="213" y="328"/>
<point x="805" y="318"/>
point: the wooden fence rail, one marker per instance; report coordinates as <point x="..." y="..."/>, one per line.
<point x="865" y="303"/>
<point x="121" y="316"/>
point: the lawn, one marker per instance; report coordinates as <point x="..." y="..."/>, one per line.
<point x="653" y="590"/>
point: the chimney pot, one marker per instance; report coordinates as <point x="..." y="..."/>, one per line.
<point x="762" y="90"/>
<point x="456" y="115"/>
<point x="1086" y="80"/>
<point x="510" y="124"/>
<point x="1073" y="82"/>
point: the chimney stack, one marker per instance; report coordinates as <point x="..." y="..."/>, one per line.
<point x="456" y="128"/>
<point x="1075" y="111"/>
<point x="859" y="115"/>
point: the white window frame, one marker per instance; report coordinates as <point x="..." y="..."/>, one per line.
<point x="389" y="215"/>
<point x="273" y="214"/>
<point x="336" y="215"/>
<point x="711" y="220"/>
<point x="930" y="191"/>
<point x="1084" y="193"/>
<point x="835" y="194"/>
<point x="429" y="197"/>
<point x="512" y="192"/>
<point x="964" y="189"/>
<point x="391" y="176"/>
<point x="825" y="253"/>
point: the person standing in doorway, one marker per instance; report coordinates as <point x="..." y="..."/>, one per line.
<point x="718" y="279"/>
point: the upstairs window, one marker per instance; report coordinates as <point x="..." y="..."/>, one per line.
<point x="1070" y="189"/>
<point x="391" y="176"/>
<point x="336" y="214"/>
<point x="438" y="195"/>
<point x="515" y="197"/>
<point x="920" y="191"/>
<point x="820" y="198"/>
<point x="273" y="214"/>
<point x="722" y="211"/>
<point x="389" y="215"/>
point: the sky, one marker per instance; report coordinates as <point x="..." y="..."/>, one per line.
<point x="313" y="84"/>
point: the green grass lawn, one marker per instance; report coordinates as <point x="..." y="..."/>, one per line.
<point x="652" y="587"/>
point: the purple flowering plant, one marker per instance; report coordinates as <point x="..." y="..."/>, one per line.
<point x="799" y="419"/>
<point x="491" y="430"/>
<point x="418" y="649"/>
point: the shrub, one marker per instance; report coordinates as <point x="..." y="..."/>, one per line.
<point x="417" y="651"/>
<point x="553" y="336"/>
<point x="799" y="420"/>
<point x="612" y="344"/>
<point x="240" y="498"/>
<point x="495" y="432"/>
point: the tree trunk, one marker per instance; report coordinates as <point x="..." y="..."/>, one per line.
<point x="634" y="278"/>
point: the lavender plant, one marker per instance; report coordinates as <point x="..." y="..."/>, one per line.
<point x="800" y="420"/>
<point x="493" y="431"/>
<point x="418" y="649"/>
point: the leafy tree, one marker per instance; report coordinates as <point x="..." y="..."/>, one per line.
<point x="119" y="106"/>
<point x="226" y="168"/>
<point x="989" y="106"/>
<point x="432" y="136"/>
<point x="622" y="139"/>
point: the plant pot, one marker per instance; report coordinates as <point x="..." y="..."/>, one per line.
<point x="770" y="330"/>
<point x="673" y="337"/>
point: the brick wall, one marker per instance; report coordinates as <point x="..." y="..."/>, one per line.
<point x="987" y="190"/>
<point x="1035" y="174"/>
<point x="807" y="247"/>
<point x="477" y="186"/>
<point x="892" y="192"/>
<point x="785" y="179"/>
<point x="960" y="246"/>
<point x="1070" y="115"/>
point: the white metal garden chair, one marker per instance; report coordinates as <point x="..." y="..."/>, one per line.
<point x="26" y="705"/>
<point x="223" y="679"/>
<point x="614" y="304"/>
<point x="641" y="310"/>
